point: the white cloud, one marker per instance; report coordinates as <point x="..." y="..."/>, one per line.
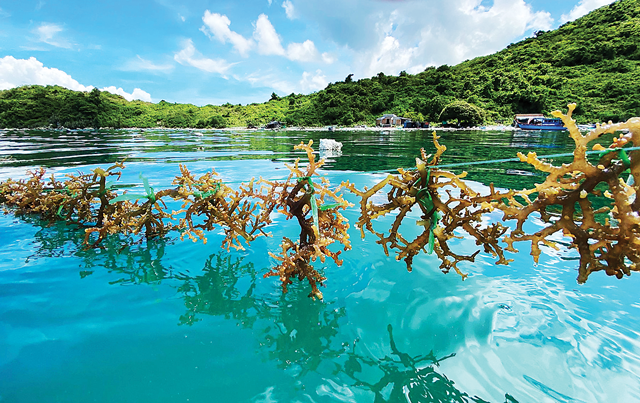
<point x="288" y="9"/>
<point x="265" y="39"/>
<point x="140" y="64"/>
<point x="269" y="80"/>
<point x="313" y="82"/>
<point x="17" y="72"/>
<point x="302" y="52"/>
<point x="584" y="7"/>
<point x="189" y="56"/>
<point x="328" y="58"/>
<point x="4" y="14"/>
<point x="309" y="82"/>
<point x="136" y="94"/>
<point x="390" y="56"/>
<point x="217" y="26"/>
<point x="268" y="39"/>
<point x="48" y="33"/>
<point x="410" y="35"/>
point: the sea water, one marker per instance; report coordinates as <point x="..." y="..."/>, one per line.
<point x="177" y="321"/>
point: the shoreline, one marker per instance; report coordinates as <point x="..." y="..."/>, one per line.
<point x="283" y="129"/>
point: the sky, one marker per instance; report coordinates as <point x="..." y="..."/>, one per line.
<point x="214" y="52"/>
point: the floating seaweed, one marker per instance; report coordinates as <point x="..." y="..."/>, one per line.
<point x="442" y="215"/>
<point x="207" y="203"/>
<point x="132" y="218"/>
<point x="612" y="245"/>
<point x="591" y="203"/>
<point x="219" y="205"/>
<point x="73" y="200"/>
<point x="564" y="202"/>
<point x="321" y="223"/>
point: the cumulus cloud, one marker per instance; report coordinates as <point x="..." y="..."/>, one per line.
<point x="140" y="64"/>
<point x="269" y="43"/>
<point x="402" y="35"/>
<point x="217" y="26"/>
<point x="389" y="56"/>
<point x="285" y="84"/>
<point x="17" y="72"/>
<point x="269" y="80"/>
<point x="313" y="82"/>
<point x="288" y="9"/>
<point x="268" y="39"/>
<point x="584" y="7"/>
<point x="303" y="52"/>
<point x="328" y="58"/>
<point x="265" y="39"/>
<point x="309" y="82"/>
<point x="48" y="33"/>
<point x="136" y="94"/>
<point x="189" y="56"/>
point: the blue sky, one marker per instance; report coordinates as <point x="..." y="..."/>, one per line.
<point x="213" y="52"/>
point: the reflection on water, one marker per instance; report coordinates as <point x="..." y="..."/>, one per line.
<point x="362" y="150"/>
<point x="167" y="321"/>
<point x="406" y="378"/>
<point x="299" y="334"/>
<point x="216" y="291"/>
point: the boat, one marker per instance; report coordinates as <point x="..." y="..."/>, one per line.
<point x="537" y="121"/>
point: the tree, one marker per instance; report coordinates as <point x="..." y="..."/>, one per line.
<point x="465" y="113"/>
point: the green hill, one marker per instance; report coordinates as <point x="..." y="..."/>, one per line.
<point x="593" y="61"/>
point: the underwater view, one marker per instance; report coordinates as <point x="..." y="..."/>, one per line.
<point x="172" y="320"/>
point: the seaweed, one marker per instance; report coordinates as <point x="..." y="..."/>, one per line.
<point x="219" y="205"/>
<point x="72" y="200"/>
<point x="321" y="223"/>
<point x="612" y="246"/>
<point x="593" y="204"/>
<point x="443" y="214"/>
<point x="606" y="237"/>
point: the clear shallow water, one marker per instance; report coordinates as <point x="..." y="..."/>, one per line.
<point x="174" y="321"/>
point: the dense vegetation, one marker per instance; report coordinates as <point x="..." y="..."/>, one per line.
<point x="593" y="61"/>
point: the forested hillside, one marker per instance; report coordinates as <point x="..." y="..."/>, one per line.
<point x="593" y="61"/>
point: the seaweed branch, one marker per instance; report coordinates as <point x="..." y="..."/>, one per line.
<point x="427" y="207"/>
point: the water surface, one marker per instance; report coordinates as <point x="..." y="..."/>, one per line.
<point x="173" y="321"/>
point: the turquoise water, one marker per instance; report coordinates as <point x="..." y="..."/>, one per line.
<point x="173" y="321"/>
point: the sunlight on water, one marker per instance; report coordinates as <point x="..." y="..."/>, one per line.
<point x="172" y="321"/>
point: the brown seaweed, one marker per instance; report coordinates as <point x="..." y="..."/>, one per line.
<point x="612" y="244"/>
<point x="443" y="214"/>
<point x="218" y="205"/>
<point x="606" y="236"/>
<point x="321" y="223"/>
<point x="564" y="202"/>
<point x="74" y="199"/>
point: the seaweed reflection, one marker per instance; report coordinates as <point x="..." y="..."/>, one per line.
<point x="217" y="292"/>
<point x="297" y="333"/>
<point x="405" y="378"/>
<point x="300" y="335"/>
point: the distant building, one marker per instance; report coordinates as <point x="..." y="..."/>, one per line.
<point x="409" y="124"/>
<point x="390" y="120"/>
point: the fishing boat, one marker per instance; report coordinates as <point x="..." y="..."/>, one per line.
<point x="537" y="121"/>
